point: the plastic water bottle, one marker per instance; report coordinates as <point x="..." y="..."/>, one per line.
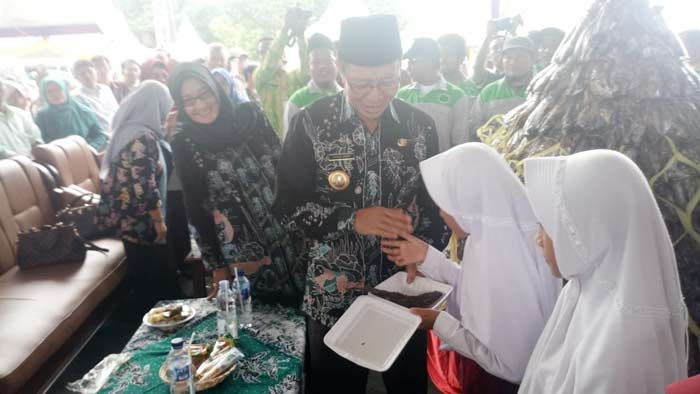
<point x="226" y="318"/>
<point x="180" y="369"/>
<point x="245" y="299"/>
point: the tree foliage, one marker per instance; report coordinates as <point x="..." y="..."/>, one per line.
<point x="236" y="23"/>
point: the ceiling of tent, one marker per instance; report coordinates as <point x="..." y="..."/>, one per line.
<point x="40" y="31"/>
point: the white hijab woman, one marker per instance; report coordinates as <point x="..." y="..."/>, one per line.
<point x="504" y="293"/>
<point x="620" y="324"/>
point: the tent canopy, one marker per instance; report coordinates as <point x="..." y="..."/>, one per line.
<point x="53" y="32"/>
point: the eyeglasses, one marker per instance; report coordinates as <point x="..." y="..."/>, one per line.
<point x="364" y="88"/>
<point x="322" y="62"/>
<point x="205" y="97"/>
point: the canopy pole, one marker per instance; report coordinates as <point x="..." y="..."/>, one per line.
<point x="495" y="9"/>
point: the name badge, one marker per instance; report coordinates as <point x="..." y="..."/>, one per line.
<point x="340" y="156"/>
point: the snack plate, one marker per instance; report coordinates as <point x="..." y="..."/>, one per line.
<point x="372" y="332"/>
<point x="200" y="385"/>
<point x="169" y="326"/>
<point x="397" y="283"/>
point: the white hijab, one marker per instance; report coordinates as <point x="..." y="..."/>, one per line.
<point x="506" y="293"/>
<point x="620" y="324"/>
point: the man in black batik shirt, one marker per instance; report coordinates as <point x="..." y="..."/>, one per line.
<point x="349" y="176"/>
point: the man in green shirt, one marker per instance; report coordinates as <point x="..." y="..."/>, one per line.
<point x="18" y="133"/>
<point x="453" y="51"/>
<point x="272" y="82"/>
<point x="323" y="78"/>
<point x="546" y="43"/>
<point x="431" y="93"/>
<point x="488" y="62"/>
<point x="498" y="98"/>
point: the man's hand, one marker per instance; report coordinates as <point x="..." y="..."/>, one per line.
<point x="218" y="275"/>
<point x="382" y="222"/>
<point x="251" y="267"/>
<point x="428" y="317"/>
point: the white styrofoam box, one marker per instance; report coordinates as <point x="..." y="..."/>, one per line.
<point x="397" y="283"/>
<point x="372" y="333"/>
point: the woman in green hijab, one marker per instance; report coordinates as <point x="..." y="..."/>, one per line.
<point x="63" y="116"/>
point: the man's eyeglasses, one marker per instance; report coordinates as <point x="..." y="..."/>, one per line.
<point x="363" y="88"/>
<point x="206" y="97"/>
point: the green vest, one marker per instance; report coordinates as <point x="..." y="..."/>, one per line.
<point x="448" y="97"/>
<point x="469" y="88"/>
<point x="306" y="96"/>
<point x="500" y="90"/>
<point x="447" y="106"/>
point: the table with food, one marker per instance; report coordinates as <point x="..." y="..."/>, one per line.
<point x="267" y="357"/>
<point x="190" y="343"/>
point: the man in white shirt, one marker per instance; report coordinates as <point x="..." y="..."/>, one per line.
<point x="18" y="133"/>
<point x="94" y="95"/>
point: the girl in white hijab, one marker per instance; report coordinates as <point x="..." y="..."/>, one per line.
<point x="619" y="326"/>
<point x="503" y="292"/>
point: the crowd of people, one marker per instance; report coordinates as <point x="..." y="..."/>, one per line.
<point x="324" y="181"/>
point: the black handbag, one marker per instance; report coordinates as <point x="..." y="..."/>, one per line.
<point x="82" y="217"/>
<point x="49" y="245"/>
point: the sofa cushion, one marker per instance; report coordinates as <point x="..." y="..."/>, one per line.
<point x="24" y="203"/>
<point x="41" y="308"/>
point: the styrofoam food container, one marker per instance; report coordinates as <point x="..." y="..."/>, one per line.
<point x="372" y="333"/>
<point x="397" y="283"/>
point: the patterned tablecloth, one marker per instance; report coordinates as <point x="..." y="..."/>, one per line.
<point x="273" y="348"/>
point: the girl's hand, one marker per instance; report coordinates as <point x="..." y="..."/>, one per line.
<point x="428" y="317"/>
<point x="408" y="252"/>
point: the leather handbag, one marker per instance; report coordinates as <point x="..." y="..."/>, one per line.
<point x="49" y="245"/>
<point x="82" y="217"/>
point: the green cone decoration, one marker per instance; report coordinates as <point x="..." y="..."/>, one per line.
<point x="618" y="82"/>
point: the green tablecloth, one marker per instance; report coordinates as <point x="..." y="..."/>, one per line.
<point x="273" y="349"/>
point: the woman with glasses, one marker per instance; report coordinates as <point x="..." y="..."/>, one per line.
<point x="226" y="160"/>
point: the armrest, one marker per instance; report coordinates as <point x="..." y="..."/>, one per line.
<point x="49" y="174"/>
<point x="99" y="156"/>
<point x="70" y="193"/>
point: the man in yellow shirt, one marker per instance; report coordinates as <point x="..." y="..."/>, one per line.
<point x="272" y="82"/>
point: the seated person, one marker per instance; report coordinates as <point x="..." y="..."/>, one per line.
<point x="18" y="133"/>
<point x="94" y="95"/>
<point x="62" y="116"/>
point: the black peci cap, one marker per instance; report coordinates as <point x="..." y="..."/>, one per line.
<point x="423" y="48"/>
<point x="319" y="41"/>
<point x="370" y="41"/>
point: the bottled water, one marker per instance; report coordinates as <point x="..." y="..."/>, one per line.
<point x="226" y="318"/>
<point x="179" y="369"/>
<point x="245" y="299"/>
